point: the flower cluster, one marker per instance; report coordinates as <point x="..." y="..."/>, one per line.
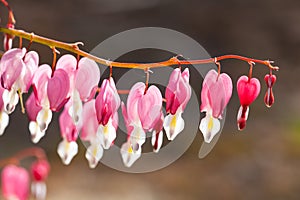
<point x="72" y="86"/>
<point x="16" y="181"/>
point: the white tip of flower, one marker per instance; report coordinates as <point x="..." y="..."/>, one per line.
<point x="39" y="190"/>
<point x="107" y="134"/>
<point x="75" y="111"/>
<point x="129" y="156"/>
<point x="93" y="154"/>
<point x="10" y="100"/>
<point x="156" y="140"/>
<point x="173" y="125"/>
<point x="137" y="137"/>
<point x="67" y="150"/>
<point x="4" y="120"/>
<point x="240" y="113"/>
<point x="43" y="119"/>
<point x="209" y="127"/>
<point x="35" y="131"/>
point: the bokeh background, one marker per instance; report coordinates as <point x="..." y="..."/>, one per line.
<point x="262" y="162"/>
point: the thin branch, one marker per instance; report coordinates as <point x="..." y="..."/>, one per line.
<point x="74" y="48"/>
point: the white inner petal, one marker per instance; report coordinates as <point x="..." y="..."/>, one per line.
<point x="10" y="100"/>
<point x="4" y="120"/>
<point x="107" y="134"/>
<point x="35" y="131"/>
<point x="93" y="154"/>
<point x="67" y="150"/>
<point x="173" y="124"/>
<point x="128" y="155"/>
<point x="209" y="127"/>
<point x="157" y="140"/>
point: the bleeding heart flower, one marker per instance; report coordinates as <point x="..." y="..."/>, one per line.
<point x="143" y="114"/>
<point x="248" y="90"/>
<point x="39" y="119"/>
<point x="269" y="96"/>
<point x="17" y="67"/>
<point x="89" y="133"/>
<point x="15" y="182"/>
<point x="39" y="170"/>
<point x="68" y="147"/>
<point x="107" y="104"/>
<point x="58" y="89"/>
<point x="178" y="93"/>
<point x="215" y="95"/>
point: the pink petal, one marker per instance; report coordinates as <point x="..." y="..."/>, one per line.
<point x="107" y="101"/>
<point x="178" y="91"/>
<point x="15" y="182"/>
<point x="149" y="107"/>
<point x="32" y="109"/>
<point x="68" y="129"/>
<point x="90" y="122"/>
<point x="1" y="99"/>
<point x="216" y="93"/>
<point x="136" y="92"/>
<point x="68" y="63"/>
<point x="247" y="90"/>
<point x="87" y="77"/>
<point x="58" y="89"/>
<point x="31" y="61"/>
<point x="40" y="82"/>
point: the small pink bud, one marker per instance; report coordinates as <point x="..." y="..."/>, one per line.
<point x="269" y="96"/>
<point x="40" y="170"/>
<point x="270" y="80"/>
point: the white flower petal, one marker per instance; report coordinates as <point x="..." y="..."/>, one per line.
<point x="209" y="127"/>
<point x="67" y="150"/>
<point x="4" y="120"/>
<point x="39" y="190"/>
<point x="137" y="137"/>
<point x="156" y="140"/>
<point x="128" y="155"/>
<point x="239" y="115"/>
<point x="75" y="111"/>
<point x="10" y="100"/>
<point x="35" y="131"/>
<point x="107" y="134"/>
<point x="93" y="154"/>
<point x="173" y="124"/>
<point x="43" y="119"/>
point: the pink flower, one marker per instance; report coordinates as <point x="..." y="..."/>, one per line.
<point x="68" y="147"/>
<point x="178" y="93"/>
<point x="143" y="114"/>
<point x="215" y="95"/>
<point x="89" y="133"/>
<point x="39" y="170"/>
<point x="248" y="90"/>
<point x="269" y="96"/>
<point x="38" y="121"/>
<point x="107" y="104"/>
<point x="15" y="182"/>
<point x="17" y="68"/>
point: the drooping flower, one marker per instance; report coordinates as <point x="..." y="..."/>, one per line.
<point x="143" y="114"/>
<point x="86" y="79"/>
<point x="270" y="80"/>
<point x="37" y="126"/>
<point x="248" y="90"/>
<point x="39" y="170"/>
<point x="15" y="182"/>
<point x="89" y="133"/>
<point x="107" y="104"/>
<point x="215" y="95"/>
<point x="17" y="67"/>
<point x="68" y="147"/>
<point x="178" y="93"/>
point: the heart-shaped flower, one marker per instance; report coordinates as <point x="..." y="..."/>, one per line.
<point x="248" y="90"/>
<point x="215" y="95"/>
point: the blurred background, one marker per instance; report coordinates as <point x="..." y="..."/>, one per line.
<point x="262" y="162"/>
